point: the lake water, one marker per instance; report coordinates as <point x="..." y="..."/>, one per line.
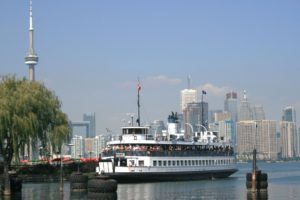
<point x="284" y="183"/>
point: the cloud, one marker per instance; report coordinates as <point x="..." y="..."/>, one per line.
<point x="151" y="82"/>
<point x="161" y="80"/>
<point x="215" y="90"/>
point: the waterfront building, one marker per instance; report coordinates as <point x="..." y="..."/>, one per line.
<point x="91" y="118"/>
<point x="100" y="143"/>
<point x="89" y="148"/>
<point x="260" y="134"/>
<point x="258" y="113"/>
<point x="231" y="105"/>
<point x="245" y="138"/>
<point x="267" y="140"/>
<point x="287" y="139"/>
<point x="77" y="150"/>
<point x="289" y="115"/>
<point x="245" y="111"/>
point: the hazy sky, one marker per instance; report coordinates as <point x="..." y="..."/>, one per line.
<point x="92" y="52"/>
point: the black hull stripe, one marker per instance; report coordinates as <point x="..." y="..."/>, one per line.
<point x="137" y="177"/>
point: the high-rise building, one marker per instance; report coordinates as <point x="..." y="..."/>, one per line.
<point x="231" y="105"/>
<point x="287" y="139"/>
<point x="222" y="116"/>
<point x="258" y="112"/>
<point x="89" y="148"/>
<point x="99" y="144"/>
<point x="289" y="115"/>
<point x="31" y="58"/>
<point x="80" y="128"/>
<point x="245" y="112"/>
<point x="226" y="130"/>
<point x="261" y="135"/>
<point x="91" y="118"/>
<point x="187" y="96"/>
<point x="267" y="140"/>
<point x="212" y="115"/>
<point x="195" y="116"/>
<point x="77" y="150"/>
<point x="245" y="138"/>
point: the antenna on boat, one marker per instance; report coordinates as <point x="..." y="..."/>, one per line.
<point x="138" y="120"/>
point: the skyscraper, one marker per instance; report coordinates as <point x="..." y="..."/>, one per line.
<point x="259" y="134"/>
<point x="91" y="118"/>
<point x="287" y="139"/>
<point x="194" y="115"/>
<point x="245" y="138"/>
<point x="77" y="150"/>
<point x="289" y="115"/>
<point x="231" y="105"/>
<point x="258" y="112"/>
<point x="245" y="112"/>
<point x="187" y="96"/>
<point x="31" y="58"/>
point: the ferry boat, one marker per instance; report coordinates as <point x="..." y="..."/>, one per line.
<point x="139" y="156"/>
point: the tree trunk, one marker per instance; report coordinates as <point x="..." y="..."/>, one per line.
<point x="6" y="179"/>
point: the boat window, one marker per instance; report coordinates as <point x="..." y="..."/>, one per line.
<point x="141" y="163"/>
<point x="193" y="162"/>
<point x="165" y="163"/>
<point x="174" y="162"/>
<point x="196" y="162"/>
<point x="181" y="162"/>
<point x="169" y="163"/>
<point x="178" y="163"/>
<point x="159" y="163"/>
<point x="154" y="163"/>
<point x="123" y="162"/>
<point x="206" y="162"/>
<point x="189" y="163"/>
<point x="185" y="163"/>
<point x="131" y="162"/>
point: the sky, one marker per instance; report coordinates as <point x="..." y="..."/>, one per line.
<point x="91" y="53"/>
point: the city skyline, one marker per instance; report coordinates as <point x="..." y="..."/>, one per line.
<point x="91" y="54"/>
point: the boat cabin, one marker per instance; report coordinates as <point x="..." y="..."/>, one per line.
<point x="135" y="133"/>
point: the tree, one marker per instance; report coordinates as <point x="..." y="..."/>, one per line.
<point x="29" y="112"/>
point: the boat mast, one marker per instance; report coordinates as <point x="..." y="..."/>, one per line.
<point x="138" y="120"/>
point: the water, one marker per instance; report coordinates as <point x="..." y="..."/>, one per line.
<point x="284" y="182"/>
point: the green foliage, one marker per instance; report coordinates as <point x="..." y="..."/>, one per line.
<point x="29" y="112"/>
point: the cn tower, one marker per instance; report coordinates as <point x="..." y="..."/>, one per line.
<point x="31" y="58"/>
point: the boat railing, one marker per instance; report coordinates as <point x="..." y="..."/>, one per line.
<point x="166" y="153"/>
